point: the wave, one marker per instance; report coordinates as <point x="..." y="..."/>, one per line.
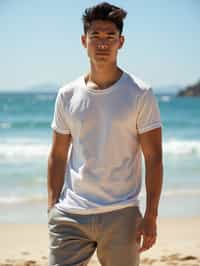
<point x="165" y="98"/>
<point x="5" y="125"/>
<point x="43" y="198"/>
<point x="45" y="97"/>
<point x="182" y="147"/>
<point x="23" y="151"/>
<point x="25" y="124"/>
<point x="28" y="149"/>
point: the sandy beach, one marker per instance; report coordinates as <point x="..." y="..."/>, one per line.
<point x="178" y="243"/>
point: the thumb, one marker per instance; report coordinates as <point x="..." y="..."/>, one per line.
<point x="138" y="234"/>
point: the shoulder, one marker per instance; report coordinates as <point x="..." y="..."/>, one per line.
<point x="68" y="89"/>
<point x="136" y="84"/>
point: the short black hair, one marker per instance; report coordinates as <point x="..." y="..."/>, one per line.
<point x="104" y="11"/>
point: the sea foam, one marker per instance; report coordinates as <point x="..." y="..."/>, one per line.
<point x="17" y="199"/>
<point x="23" y="151"/>
<point x="31" y="150"/>
<point x="182" y="147"/>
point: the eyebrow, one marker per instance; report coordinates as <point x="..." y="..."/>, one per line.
<point x="112" y="33"/>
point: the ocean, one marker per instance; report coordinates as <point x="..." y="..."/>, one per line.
<point x="25" y="139"/>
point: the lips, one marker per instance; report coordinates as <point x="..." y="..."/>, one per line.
<point x="102" y="53"/>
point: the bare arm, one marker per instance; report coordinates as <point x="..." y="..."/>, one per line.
<point x="56" y="166"/>
<point x="151" y="144"/>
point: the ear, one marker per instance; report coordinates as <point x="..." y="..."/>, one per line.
<point x="121" y="41"/>
<point x="83" y="41"/>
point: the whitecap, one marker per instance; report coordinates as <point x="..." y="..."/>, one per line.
<point x="23" y="151"/>
<point x="182" y="147"/>
<point x="165" y="98"/>
<point x="5" y="125"/>
<point x="47" y="97"/>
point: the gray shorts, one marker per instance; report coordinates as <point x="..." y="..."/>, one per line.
<point x="73" y="238"/>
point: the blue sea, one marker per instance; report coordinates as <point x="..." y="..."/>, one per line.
<point x="25" y="139"/>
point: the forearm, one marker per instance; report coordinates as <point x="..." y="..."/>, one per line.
<point x="56" y="172"/>
<point x="153" y="181"/>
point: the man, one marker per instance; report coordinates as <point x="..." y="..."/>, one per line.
<point x="102" y="122"/>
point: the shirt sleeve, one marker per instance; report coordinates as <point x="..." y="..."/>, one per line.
<point x="148" y="117"/>
<point x="59" y="122"/>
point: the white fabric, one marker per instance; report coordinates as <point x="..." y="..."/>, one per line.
<point x="103" y="171"/>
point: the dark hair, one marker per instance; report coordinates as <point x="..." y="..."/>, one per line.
<point x="104" y="11"/>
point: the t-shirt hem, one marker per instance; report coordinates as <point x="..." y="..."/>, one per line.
<point x="61" y="131"/>
<point x="150" y="127"/>
<point x="97" y="210"/>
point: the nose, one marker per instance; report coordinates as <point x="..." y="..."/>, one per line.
<point x="102" y="45"/>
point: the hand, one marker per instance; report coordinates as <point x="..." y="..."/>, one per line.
<point x="146" y="231"/>
<point x="50" y="206"/>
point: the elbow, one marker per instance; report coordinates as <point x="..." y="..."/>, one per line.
<point x="53" y="158"/>
<point x="55" y="155"/>
<point x="155" y="158"/>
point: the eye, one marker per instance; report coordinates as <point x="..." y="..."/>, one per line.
<point x="111" y="38"/>
<point x="94" y="37"/>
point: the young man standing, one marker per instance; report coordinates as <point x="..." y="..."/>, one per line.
<point x="102" y="122"/>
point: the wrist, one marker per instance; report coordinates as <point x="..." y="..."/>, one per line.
<point x="51" y="204"/>
<point x="51" y="201"/>
<point x="50" y="207"/>
<point x="151" y="215"/>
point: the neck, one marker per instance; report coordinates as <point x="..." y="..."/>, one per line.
<point x="103" y="76"/>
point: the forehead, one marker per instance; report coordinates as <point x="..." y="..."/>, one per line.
<point x="102" y="26"/>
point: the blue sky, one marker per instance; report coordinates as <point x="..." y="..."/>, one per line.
<point x="40" y="41"/>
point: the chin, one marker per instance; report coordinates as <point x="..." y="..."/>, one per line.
<point x="102" y="58"/>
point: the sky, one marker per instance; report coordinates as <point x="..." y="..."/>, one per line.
<point x="40" y="42"/>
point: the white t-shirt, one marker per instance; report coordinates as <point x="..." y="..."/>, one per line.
<point x="103" y="170"/>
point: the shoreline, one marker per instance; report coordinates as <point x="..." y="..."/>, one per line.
<point x="178" y="243"/>
<point x="170" y="207"/>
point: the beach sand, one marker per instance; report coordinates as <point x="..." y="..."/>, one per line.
<point x="178" y="243"/>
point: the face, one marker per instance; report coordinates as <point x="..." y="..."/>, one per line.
<point x="102" y="42"/>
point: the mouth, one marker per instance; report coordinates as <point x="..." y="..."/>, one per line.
<point x="102" y="53"/>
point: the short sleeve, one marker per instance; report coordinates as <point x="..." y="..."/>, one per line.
<point x="59" y="122"/>
<point x="148" y="117"/>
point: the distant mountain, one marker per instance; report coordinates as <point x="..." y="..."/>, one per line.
<point x="192" y="90"/>
<point x="169" y="89"/>
<point x="45" y="87"/>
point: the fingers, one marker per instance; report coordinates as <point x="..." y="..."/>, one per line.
<point x="139" y="230"/>
<point x="148" y="242"/>
<point x="138" y="236"/>
<point x="145" y="231"/>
